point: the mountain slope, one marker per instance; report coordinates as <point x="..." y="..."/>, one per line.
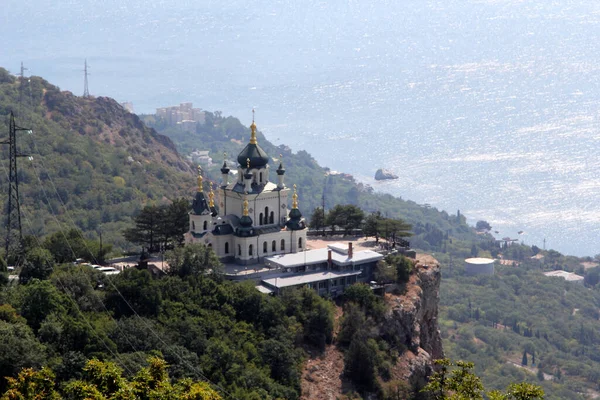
<point x="92" y="155"/>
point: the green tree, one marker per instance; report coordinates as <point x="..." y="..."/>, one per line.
<point x="38" y="264"/>
<point x="32" y="384"/>
<point x="18" y="349"/>
<point x="147" y="229"/>
<point x="524" y="359"/>
<point x="456" y="381"/>
<point x="348" y="217"/>
<point x="403" y="266"/>
<point x="317" y="219"/>
<point x="40" y="299"/>
<point x="361" y="361"/>
<point x="65" y="246"/>
<point x="176" y="222"/>
<point x="393" y="228"/>
<point x="385" y="273"/>
<point x="104" y="380"/>
<point x="194" y="259"/>
<point x="483" y="226"/>
<point x="133" y="291"/>
<point x="371" y="225"/>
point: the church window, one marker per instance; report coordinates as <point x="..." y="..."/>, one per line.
<point x="282" y="244"/>
<point x="239" y="249"/>
<point x="260" y="178"/>
<point x="226" y="247"/>
<point x="274" y="246"/>
<point x="250" y="250"/>
<point x="266" y="215"/>
<point x="272" y="217"/>
<point x="260" y="219"/>
<point x="299" y="243"/>
<point x="265" y="247"/>
<point x="205" y="225"/>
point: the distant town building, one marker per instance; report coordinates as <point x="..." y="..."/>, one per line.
<point x="568" y="276"/>
<point x="201" y="157"/>
<point x="479" y="266"/>
<point x="184" y="116"/>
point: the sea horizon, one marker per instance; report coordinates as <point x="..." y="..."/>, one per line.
<point x="484" y="106"/>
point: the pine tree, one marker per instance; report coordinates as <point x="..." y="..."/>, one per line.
<point x="524" y="360"/>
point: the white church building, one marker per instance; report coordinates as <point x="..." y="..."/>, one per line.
<point x="252" y="220"/>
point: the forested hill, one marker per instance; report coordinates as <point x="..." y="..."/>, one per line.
<point x="219" y="134"/>
<point x="91" y="154"/>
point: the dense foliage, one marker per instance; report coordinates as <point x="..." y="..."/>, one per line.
<point x="104" y="380"/>
<point x="457" y="382"/>
<point x="521" y="325"/>
<point x="242" y="342"/>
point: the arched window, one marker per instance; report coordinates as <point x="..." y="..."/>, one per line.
<point x="205" y="225"/>
<point x="239" y="249"/>
<point x="260" y="180"/>
<point x="272" y="217"/>
<point x="265" y="247"/>
<point x="266" y="215"/>
<point x="226" y="247"/>
<point x="260" y="219"/>
<point x="273" y="246"/>
<point x="250" y="250"/>
<point x="299" y="242"/>
<point x="282" y="244"/>
<point x="193" y="226"/>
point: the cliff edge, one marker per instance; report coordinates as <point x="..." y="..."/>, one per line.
<point x="411" y="320"/>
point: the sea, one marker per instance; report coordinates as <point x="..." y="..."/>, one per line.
<point x="490" y="107"/>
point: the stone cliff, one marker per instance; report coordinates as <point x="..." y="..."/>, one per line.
<point x="412" y="321"/>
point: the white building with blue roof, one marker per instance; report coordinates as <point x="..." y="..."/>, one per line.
<point x="252" y="220"/>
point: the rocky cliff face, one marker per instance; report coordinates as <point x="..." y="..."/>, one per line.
<point x="411" y="321"/>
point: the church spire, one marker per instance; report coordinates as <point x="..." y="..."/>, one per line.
<point x="211" y="198"/>
<point x="295" y="198"/>
<point x="245" y="212"/>
<point x="200" y="179"/>
<point x="253" y="130"/>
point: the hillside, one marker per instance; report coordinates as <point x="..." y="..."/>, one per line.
<point x="89" y="155"/>
<point x="493" y="320"/>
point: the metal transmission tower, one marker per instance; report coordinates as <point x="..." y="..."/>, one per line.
<point x="21" y="78"/>
<point x="86" y="92"/>
<point x="14" y="235"/>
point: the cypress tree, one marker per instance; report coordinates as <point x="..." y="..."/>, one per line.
<point x="524" y="360"/>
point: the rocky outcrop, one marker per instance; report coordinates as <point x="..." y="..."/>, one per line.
<point x="383" y="174"/>
<point x="411" y="321"/>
